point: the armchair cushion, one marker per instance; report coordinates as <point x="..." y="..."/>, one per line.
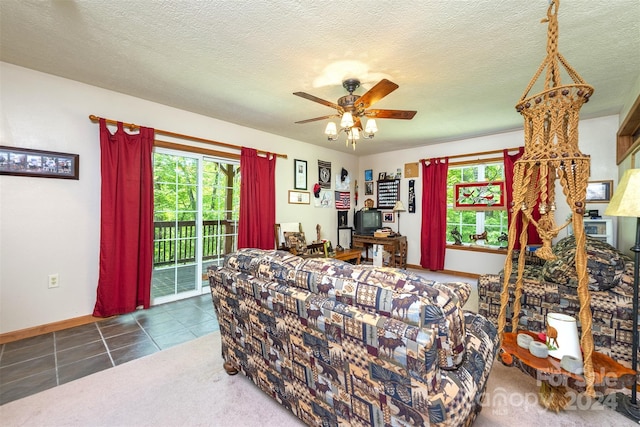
<point x="605" y="264"/>
<point x="295" y="241"/>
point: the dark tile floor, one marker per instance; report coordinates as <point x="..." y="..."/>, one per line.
<point x="35" y="364"/>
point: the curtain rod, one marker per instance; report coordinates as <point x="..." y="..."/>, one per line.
<point x="479" y="153"/>
<point x="132" y="126"/>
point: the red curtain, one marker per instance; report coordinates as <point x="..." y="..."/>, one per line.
<point x="509" y="162"/>
<point x="257" y="200"/>
<point x="126" y="223"/>
<point x="434" y="213"/>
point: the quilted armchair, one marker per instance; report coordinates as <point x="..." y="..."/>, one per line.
<point x="551" y="286"/>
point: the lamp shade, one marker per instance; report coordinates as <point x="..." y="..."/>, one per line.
<point x="399" y="207"/>
<point x="626" y="199"/>
<point x="371" y="127"/>
<point x="331" y="129"/>
<point x="347" y="120"/>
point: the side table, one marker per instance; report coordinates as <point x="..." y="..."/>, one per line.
<point x="348" y="255"/>
<point x="608" y="373"/>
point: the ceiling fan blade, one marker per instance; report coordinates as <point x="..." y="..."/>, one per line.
<point x="317" y="118"/>
<point x="390" y="114"/>
<point x="318" y="100"/>
<point x="383" y="88"/>
<point x="357" y="123"/>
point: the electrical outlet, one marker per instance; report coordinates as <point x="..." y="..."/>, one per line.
<point x="54" y="280"/>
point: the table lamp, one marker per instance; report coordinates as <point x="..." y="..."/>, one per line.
<point x="399" y="207"/>
<point x="626" y="202"/>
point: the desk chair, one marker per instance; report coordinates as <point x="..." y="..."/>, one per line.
<point x="400" y="257"/>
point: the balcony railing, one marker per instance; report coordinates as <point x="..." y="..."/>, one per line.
<point x="175" y="242"/>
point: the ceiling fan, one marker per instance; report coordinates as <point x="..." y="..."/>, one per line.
<point x="352" y="107"/>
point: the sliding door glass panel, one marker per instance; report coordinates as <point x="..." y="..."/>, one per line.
<point x="176" y="232"/>
<point x="220" y="209"/>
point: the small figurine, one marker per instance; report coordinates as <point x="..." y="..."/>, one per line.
<point x="456" y="236"/>
<point x="476" y="237"/>
<point x="503" y="238"/>
<point x="552" y="338"/>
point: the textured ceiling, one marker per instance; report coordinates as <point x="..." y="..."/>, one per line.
<point x="462" y="64"/>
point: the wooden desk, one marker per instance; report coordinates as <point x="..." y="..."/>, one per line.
<point x="348" y="255"/>
<point x="391" y="245"/>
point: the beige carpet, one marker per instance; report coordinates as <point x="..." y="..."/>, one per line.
<point x="186" y="386"/>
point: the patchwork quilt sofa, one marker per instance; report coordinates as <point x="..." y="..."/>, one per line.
<point x="352" y="345"/>
<point x="551" y="286"/>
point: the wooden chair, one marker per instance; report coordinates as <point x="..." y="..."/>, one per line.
<point x="290" y="237"/>
<point x="400" y="257"/>
<point x="280" y="229"/>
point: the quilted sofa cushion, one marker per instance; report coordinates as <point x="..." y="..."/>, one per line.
<point x="605" y="264"/>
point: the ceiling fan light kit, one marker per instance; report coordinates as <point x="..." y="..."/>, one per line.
<point x="350" y="108"/>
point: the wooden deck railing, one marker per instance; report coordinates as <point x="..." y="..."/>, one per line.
<point x="176" y="241"/>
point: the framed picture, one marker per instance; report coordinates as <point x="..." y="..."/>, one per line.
<point x="38" y="163"/>
<point x="599" y="191"/>
<point x="479" y="196"/>
<point x="299" y="197"/>
<point x="388" y="217"/>
<point x="368" y="188"/>
<point x="382" y="176"/>
<point x="343" y="219"/>
<point x="368" y="175"/>
<point x="300" y="174"/>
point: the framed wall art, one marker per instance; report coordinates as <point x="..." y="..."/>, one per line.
<point x="368" y="175"/>
<point x="388" y="193"/>
<point x="599" y="191"/>
<point x="300" y="174"/>
<point x="388" y="217"/>
<point x="38" y="163"/>
<point x="368" y="188"/>
<point x="479" y="196"/>
<point x="299" y="197"/>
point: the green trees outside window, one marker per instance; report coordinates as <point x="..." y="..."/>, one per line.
<point x="469" y="222"/>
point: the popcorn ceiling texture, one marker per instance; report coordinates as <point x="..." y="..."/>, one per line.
<point x="460" y="64"/>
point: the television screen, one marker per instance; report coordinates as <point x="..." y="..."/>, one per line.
<point x="368" y="221"/>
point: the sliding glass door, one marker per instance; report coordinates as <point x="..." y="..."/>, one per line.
<point x="196" y="202"/>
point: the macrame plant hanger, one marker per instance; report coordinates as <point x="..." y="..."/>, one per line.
<point x="551" y="154"/>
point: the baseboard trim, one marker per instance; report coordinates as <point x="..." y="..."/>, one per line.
<point x="83" y="320"/>
<point x="49" y="327"/>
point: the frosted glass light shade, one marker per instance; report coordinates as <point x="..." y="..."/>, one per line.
<point x="347" y="120"/>
<point x="371" y="127"/>
<point x="331" y="129"/>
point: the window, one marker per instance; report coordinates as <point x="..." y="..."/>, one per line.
<point x="469" y="222"/>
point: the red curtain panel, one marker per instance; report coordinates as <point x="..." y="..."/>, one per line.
<point x="257" y="200"/>
<point x="434" y="213"/>
<point x="532" y="234"/>
<point x="126" y="223"/>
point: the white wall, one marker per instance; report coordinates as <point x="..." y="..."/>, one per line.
<point x="52" y="225"/>
<point x="597" y="138"/>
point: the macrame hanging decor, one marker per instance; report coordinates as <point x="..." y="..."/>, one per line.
<point x="551" y="155"/>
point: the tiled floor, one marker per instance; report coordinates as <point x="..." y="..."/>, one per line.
<point x="34" y="364"/>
